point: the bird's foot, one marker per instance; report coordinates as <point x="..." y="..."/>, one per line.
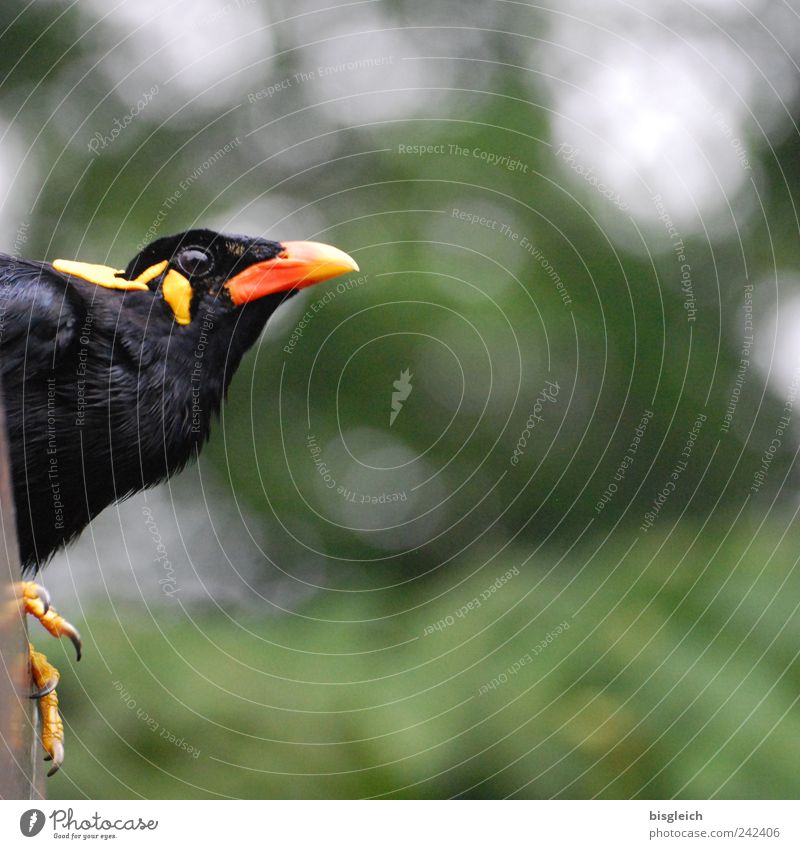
<point x="45" y="677"/>
<point x="36" y="601"/>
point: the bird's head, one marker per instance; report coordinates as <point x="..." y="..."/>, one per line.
<point x="186" y="309"/>
<point x="209" y="273"/>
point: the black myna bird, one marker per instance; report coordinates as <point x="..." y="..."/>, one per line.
<point x="111" y="379"/>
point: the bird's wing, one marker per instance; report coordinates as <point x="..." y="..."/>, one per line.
<point x="38" y="317"/>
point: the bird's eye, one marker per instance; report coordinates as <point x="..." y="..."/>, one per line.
<point x="194" y="262"/>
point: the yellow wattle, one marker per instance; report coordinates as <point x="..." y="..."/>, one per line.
<point x="175" y="287"/>
<point x="101" y="275"/>
<point x="178" y="294"/>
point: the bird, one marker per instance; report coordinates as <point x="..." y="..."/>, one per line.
<point x="111" y="379"/>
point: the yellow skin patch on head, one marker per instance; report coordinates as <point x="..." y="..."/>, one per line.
<point x="178" y="294"/>
<point x="102" y="275"/>
<point x="176" y="288"/>
<point x="151" y="273"/>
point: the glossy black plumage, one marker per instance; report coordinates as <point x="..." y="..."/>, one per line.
<point x="105" y="393"/>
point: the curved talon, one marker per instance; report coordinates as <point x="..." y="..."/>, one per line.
<point x="37" y="604"/>
<point x="44" y="596"/>
<point x="48" y="688"/>
<point x="57" y="757"/>
<point x="45" y="675"/>
<point x="75" y="638"/>
<point x="35" y="598"/>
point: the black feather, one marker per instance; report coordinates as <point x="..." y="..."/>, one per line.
<point x="105" y="393"/>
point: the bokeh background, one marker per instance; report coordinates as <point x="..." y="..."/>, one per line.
<point x="568" y="566"/>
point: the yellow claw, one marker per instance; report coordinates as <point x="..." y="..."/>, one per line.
<point x="45" y="677"/>
<point x="37" y="603"/>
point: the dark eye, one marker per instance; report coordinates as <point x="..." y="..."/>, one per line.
<point x="194" y="262"/>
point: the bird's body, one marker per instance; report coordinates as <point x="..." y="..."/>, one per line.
<point x="111" y="379"/>
<point x="110" y="383"/>
<point x="102" y="398"/>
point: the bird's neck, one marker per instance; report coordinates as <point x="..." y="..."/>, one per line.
<point x="211" y="359"/>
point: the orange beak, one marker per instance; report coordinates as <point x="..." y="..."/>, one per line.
<point x="298" y="265"/>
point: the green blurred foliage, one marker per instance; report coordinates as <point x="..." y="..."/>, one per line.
<point x="691" y="696"/>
